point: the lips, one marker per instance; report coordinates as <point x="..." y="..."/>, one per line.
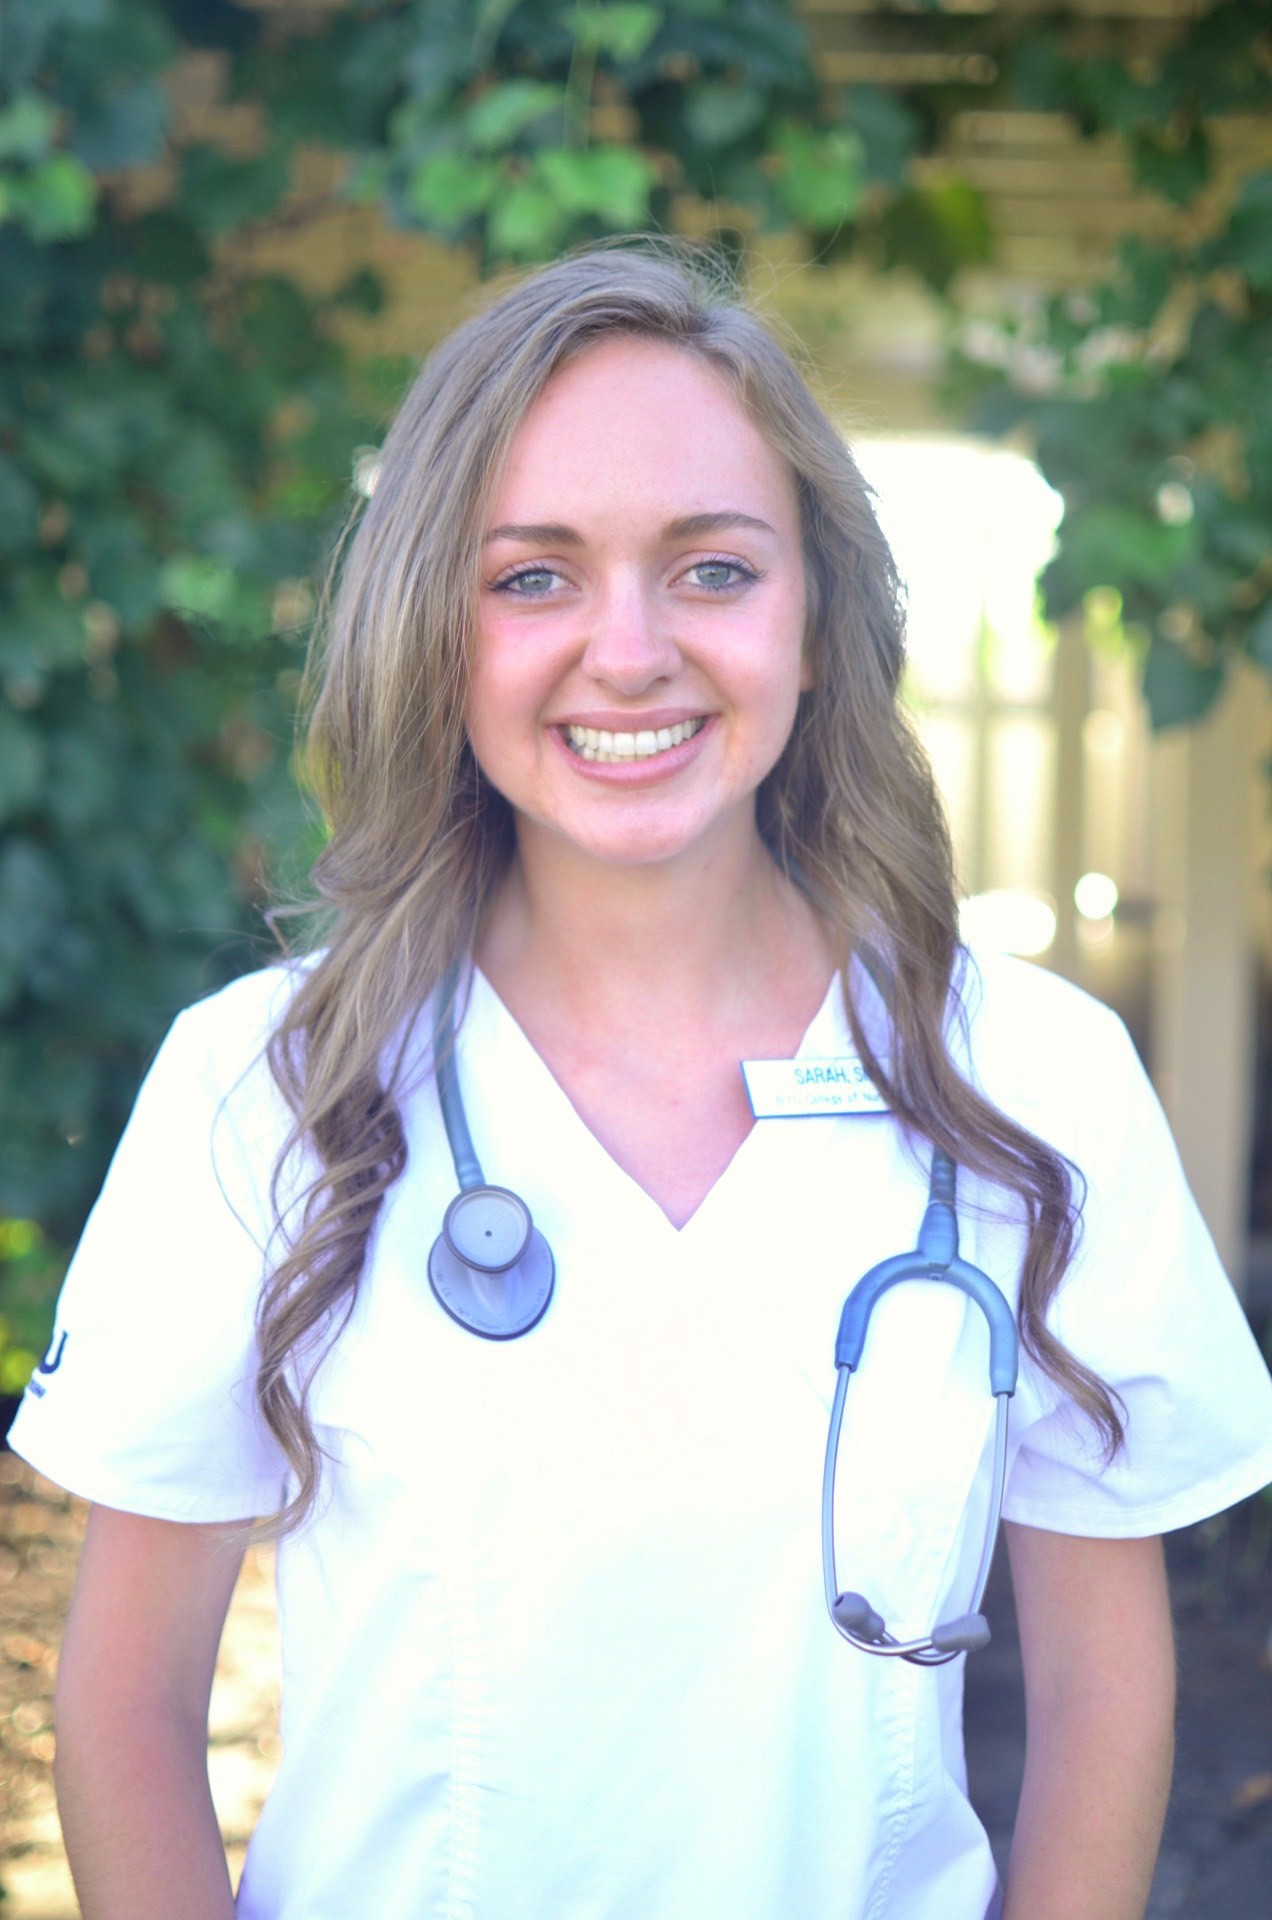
<point x="619" y="748"/>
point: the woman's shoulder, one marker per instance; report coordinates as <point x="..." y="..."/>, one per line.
<point x="999" y="990"/>
<point x="234" y="1023"/>
<point x="1036" y="1043"/>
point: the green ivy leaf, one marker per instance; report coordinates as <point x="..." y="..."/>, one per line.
<point x="123" y="126"/>
<point x="1248" y="242"/>
<point x="190" y="583"/>
<point x="32" y="897"/>
<point x="1239" y="536"/>
<point x="526" y="222"/>
<point x="368" y="178"/>
<point x="1261" y="637"/>
<point x="116" y="546"/>
<point x="822" y="173"/>
<point x="42" y="631"/>
<point x="492" y="17"/>
<point x="446" y="189"/>
<point x="496" y="118"/>
<point x="938" y="230"/>
<point x="362" y="292"/>
<point x="86" y="782"/>
<point x="1179" y="689"/>
<point x="22" y="762"/>
<point x="889" y="131"/>
<point x="1146" y="274"/>
<point x="718" y="112"/>
<point x="622" y="29"/>
<point x="26" y="127"/>
<point x="1115" y="546"/>
<point x="31" y="25"/>
<point x="229" y="193"/>
<point x="1175" y="167"/>
<point x="613" y="183"/>
<point x="56" y="201"/>
<point x="19" y="508"/>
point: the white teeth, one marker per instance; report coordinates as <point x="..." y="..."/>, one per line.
<point x="596" y="743"/>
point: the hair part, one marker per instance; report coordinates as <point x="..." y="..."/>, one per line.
<point x="419" y="840"/>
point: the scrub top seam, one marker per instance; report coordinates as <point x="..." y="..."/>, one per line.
<point x="898" y="1818"/>
<point x="1248" y="1477"/>
<point x="466" y="1747"/>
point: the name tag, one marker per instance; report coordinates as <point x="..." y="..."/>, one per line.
<point x="796" y="1089"/>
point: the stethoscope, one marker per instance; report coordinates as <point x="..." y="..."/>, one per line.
<point x="935" y="1258"/>
<point x="493" y="1272"/>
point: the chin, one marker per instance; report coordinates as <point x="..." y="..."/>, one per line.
<point x="632" y="843"/>
<point x="636" y="850"/>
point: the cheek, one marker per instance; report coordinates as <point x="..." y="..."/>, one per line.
<point x="780" y="665"/>
<point x="494" y="674"/>
<point x="510" y="681"/>
<point x="484" y="714"/>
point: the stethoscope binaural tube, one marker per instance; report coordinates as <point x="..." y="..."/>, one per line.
<point x="935" y="1258"/>
<point x="490" y="1267"/>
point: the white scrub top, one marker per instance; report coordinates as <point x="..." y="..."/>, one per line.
<point x="556" y="1641"/>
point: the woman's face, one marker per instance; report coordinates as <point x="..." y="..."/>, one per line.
<point x="640" y="614"/>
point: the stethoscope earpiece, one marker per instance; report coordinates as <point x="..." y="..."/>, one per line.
<point x="856" y="1619"/>
<point x="968" y="1634"/>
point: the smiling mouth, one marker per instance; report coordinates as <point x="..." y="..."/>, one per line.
<point x="596" y="743"/>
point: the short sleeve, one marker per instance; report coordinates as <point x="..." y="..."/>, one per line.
<point x="145" y="1400"/>
<point x="1147" y="1305"/>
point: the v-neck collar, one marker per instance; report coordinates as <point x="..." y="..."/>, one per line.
<point x="488" y="1018"/>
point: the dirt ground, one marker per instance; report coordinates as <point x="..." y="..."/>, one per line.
<point x="1217" y="1856"/>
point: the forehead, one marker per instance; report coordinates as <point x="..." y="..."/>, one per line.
<point x="641" y="420"/>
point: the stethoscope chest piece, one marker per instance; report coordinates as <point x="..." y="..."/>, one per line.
<point x="490" y="1267"/>
<point x="488" y="1228"/>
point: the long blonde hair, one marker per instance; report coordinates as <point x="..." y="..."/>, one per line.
<point x="418" y="840"/>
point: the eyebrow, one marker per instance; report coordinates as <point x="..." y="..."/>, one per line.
<point x="553" y="533"/>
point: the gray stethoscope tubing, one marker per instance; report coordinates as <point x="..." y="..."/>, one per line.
<point x="935" y="1258"/>
<point x="490" y="1267"/>
<point x="493" y="1272"/>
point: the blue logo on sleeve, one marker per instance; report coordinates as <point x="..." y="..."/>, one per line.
<point x="50" y="1364"/>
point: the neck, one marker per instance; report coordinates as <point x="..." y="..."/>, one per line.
<point x="680" y="940"/>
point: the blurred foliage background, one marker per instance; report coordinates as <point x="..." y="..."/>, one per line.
<point x="180" y="424"/>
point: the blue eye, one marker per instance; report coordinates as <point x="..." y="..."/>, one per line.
<point x="717" y="576"/>
<point x="531" y="583"/>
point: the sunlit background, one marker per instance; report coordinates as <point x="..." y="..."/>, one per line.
<point x="972" y="527"/>
<point x="1136" y="866"/>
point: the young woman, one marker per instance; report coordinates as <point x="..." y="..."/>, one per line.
<point x="620" y="797"/>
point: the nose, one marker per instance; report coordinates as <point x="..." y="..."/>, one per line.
<point x="631" y="646"/>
